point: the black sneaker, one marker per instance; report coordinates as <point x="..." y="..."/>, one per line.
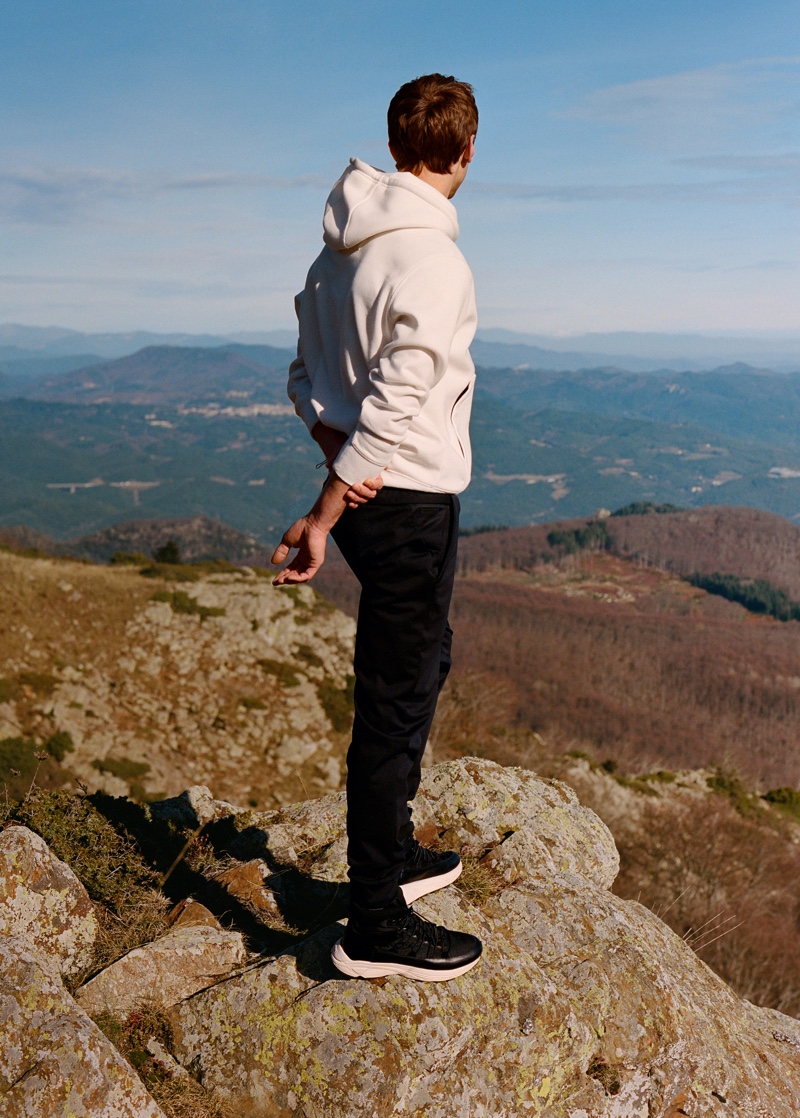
<point x="405" y="944"/>
<point x="426" y="871"/>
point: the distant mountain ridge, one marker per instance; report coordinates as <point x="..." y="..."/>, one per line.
<point x="197" y="537"/>
<point x="677" y="351"/>
<point x="637" y="352"/>
<point x="738" y="401"/>
<point x="181" y="430"/>
<point x="60" y="341"/>
<point x="173" y="374"/>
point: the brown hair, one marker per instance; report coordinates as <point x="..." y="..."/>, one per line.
<point x="430" y="121"/>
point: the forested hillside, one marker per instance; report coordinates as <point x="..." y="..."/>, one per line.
<point x="182" y="430"/>
<point x="609" y="651"/>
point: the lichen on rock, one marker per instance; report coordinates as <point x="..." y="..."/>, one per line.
<point x="53" y="1059"/>
<point x="583" y="1005"/>
<point x="42" y="899"/>
<point x="188" y="958"/>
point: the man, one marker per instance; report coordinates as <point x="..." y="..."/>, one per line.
<point x="384" y="381"/>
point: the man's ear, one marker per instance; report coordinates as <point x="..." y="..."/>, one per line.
<point x="469" y="151"/>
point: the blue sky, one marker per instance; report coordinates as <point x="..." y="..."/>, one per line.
<point x="164" y="163"/>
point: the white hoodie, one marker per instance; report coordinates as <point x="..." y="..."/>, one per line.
<point x="386" y="320"/>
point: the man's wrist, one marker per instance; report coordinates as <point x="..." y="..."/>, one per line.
<point x="330" y="504"/>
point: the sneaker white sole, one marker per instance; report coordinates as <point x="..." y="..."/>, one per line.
<point x="360" y="968"/>
<point x="413" y="890"/>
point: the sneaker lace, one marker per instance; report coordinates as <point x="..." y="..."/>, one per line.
<point x="416" y="932"/>
<point x="420" y="857"/>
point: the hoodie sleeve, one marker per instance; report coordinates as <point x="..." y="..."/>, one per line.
<point x="299" y="384"/>
<point x="422" y="318"/>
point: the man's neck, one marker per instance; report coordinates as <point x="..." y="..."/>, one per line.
<point x="446" y="184"/>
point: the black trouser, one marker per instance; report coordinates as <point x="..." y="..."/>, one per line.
<point x="402" y="548"/>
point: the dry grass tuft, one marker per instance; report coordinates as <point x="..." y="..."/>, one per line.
<point x="478" y="882"/>
<point x="130" y="909"/>
<point x="142" y="922"/>
<point x="725" y="882"/>
<point x="183" y="1097"/>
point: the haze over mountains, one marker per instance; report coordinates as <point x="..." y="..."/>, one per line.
<point x="202" y="426"/>
<point x="645" y="351"/>
<point x="495" y="347"/>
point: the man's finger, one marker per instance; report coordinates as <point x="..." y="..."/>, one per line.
<point x="279" y="554"/>
<point x="290" y="576"/>
<point x="366" y="490"/>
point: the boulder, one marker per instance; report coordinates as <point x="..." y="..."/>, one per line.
<point x="190" y="911"/>
<point x="175" y="966"/>
<point x="192" y="809"/>
<point x="246" y="882"/>
<point x="516" y="821"/>
<point x="54" y="1060"/>
<point x="42" y="899"/>
<point x="583" y="1005"/>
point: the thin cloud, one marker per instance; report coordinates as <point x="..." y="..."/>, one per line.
<point x="52" y="195"/>
<point x="753" y="164"/>
<point x="697" y="105"/>
<point x="741" y="191"/>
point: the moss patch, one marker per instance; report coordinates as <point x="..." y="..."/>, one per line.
<point x="39" y="682"/>
<point x="59" y="744"/>
<point x="785" y="799"/>
<point x="129" y="559"/>
<point x="179" y="1096"/>
<point x="181" y="602"/>
<point x="284" y="673"/>
<point x="129" y="908"/>
<point x="308" y="656"/>
<point x="727" y="783"/>
<point x="18" y="765"/>
<point x="661" y="776"/>
<point x="108" y="865"/>
<point x="252" y="704"/>
<point x="337" y="702"/>
<point x="122" y="767"/>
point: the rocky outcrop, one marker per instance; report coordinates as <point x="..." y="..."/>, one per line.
<point x="42" y="900"/>
<point x="583" y="1005"/>
<point x="188" y="958"/>
<point x="53" y="1059"/>
<point x="198" y="537"/>
<point x="222" y="680"/>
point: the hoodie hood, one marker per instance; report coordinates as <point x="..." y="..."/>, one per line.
<point x="366" y="202"/>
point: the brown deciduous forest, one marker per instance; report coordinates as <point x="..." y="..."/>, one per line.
<point x="597" y="663"/>
<point x="595" y="651"/>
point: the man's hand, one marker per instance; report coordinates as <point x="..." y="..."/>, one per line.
<point x="309" y="534"/>
<point x="362" y="492"/>
<point x="330" y="442"/>
<point x="311" y="540"/>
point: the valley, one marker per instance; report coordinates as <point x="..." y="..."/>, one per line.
<point x="172" y="430"/>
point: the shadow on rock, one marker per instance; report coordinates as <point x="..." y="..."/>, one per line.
<point x="169" y="835"/>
